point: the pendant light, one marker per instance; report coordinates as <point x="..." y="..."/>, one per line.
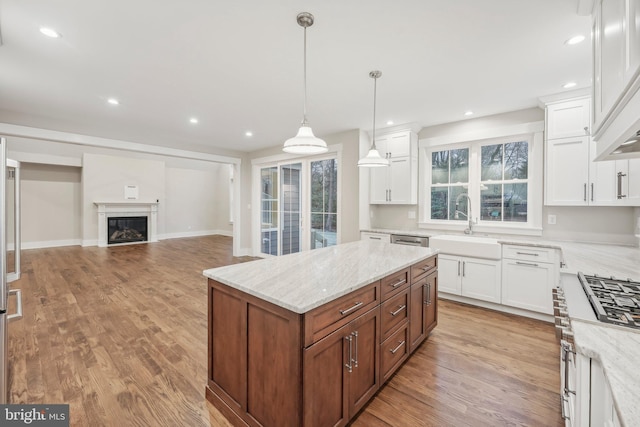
<point x="373" y="159"/>
<point x="305" y="142"/>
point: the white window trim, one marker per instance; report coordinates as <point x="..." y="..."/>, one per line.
<point x="335" y="151"/>
<point x="532" y="132"/>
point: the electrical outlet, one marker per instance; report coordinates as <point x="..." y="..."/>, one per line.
<point x="411" y="214"/>
<point x="551" y="219"/>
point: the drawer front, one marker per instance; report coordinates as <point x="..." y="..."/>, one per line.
<point x="393" y="312"/>
<point x="529" y="253"/>
<point x="393" y="352"/>
<point x="394" y="283"/>
<point x="379" y="237"/>
<point x="320" y="322"/>
<point x="421" y="268"/>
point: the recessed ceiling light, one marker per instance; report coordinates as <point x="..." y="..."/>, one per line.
<point x="49" y="32"/>
<point x="468" y="113"/>
<point x="569" y="85"/>
<point x="389" y="122"/>
<point x="193" y="120"/>
<point x="575" y="40"/>
<point x="248" y="133"/>
<point x="113" y="101"/>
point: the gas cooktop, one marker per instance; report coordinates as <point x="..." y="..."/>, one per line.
<point x="613" y="300"/>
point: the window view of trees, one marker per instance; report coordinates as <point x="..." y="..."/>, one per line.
<point x="324" y="203"/>
<point x="504" y="173"/>
<point x="449" y="172"/>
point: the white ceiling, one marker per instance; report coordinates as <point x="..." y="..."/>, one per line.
<point x="237" y="65"/>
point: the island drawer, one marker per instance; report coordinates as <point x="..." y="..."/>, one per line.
<point x="320" y="322"/>
<point x="394" y="283"/>
<point x="393" y="352"/>
<point x="393" y="312"/>
<point x="421" y="268"/>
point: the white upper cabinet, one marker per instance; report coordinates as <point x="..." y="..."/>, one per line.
<point x="572" y="177"/>
<point x="397" y="184"/>
<point x="568" y="119"/>
<point x="616" y="73"/>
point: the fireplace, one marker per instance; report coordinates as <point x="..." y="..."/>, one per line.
<point x="126" y="229"/>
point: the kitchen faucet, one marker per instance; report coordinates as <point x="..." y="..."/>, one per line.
<point x="456" y="215"/>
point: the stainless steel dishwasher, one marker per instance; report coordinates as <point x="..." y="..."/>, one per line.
<point x="402" y="239"/>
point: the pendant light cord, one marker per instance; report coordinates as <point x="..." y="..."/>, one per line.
<point x="304" y="115"/>
<point x="375" y="84"/>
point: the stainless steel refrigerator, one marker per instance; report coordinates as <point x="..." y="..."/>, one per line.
<point x="9" y="256"/>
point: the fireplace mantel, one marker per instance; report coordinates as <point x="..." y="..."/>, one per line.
<point x="127" y="208"/>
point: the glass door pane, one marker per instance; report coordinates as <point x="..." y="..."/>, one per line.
<point x="290" y="178"/>
<point x="269" y="210"/>
<point x="324" y="203"/>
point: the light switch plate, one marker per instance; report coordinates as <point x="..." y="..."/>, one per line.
<point x="551" y="219"/>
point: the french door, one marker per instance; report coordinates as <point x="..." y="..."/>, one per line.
<point x="298" y="206"/>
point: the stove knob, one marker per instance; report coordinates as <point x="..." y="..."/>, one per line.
<point x="567" y="335"/>
<point x="560" y="311"/>
<point x="561" y="321"/>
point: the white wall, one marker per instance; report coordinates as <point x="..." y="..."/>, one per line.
<point x="50" y="205"/>
<point x="208" y="191"/>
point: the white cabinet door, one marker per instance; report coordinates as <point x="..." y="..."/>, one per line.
<point x="634" y="38"/>
<point x="567" y="172"/>
<point x="378" y="188"/>
<point x="481" y="279"/>
<point x="528" y="285"/>
<point x="400" y="179"/>
<point x="602" y="177"/>
<point x="449" y="274"/>
<point x="633" y="182"/>
<point x="612" y="51"/>
<point x="568" y="119"/>
<point x="399" y="144"/>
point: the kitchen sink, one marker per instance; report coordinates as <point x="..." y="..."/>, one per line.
<point x="471" y="246"/>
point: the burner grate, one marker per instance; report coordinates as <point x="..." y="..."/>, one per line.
<point x="613" y="301"/>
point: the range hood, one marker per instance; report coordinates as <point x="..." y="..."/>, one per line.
<point x="619" y="137"/>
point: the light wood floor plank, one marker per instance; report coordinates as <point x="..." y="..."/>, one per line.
<point x="120" y="334"/>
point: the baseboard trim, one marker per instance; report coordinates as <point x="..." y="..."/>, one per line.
<point x="51" y="244"/>
<point x="182" y="234"/>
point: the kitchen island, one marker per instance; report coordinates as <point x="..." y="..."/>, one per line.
<point x="308" y="338"/>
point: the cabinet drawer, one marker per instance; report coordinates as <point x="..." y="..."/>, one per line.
<point x="421" y="268"/>
<point x="380" y="237"/>
<point x="393" y="352"/>
<point x="394" y="283"/>
<point x="393" y="312"/>
<point x="529" y="253"/>
<point x="320" y="322"/>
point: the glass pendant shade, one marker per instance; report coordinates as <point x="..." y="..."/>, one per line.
<point x="373" y="159"/>
<point x="305" y="143"/>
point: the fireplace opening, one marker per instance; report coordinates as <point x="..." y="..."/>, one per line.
<point x="126" y="229"/>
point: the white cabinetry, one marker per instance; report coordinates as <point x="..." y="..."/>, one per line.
<point x="381" y="237"/>
<point x="528" y="276"/>
<point x="602" y="409"/>
<point x="572" y="177"/>
<point x="397" y="184"/>
<point x="470" y="277"/>
<point x="616" y="68"/>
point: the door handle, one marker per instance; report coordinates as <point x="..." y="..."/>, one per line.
<point x="395" y="313"/>
<point x="620" y="175"/>
<point x="348" y="364"/>
<point x="355" y="361"/>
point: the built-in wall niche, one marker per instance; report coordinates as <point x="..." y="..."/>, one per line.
<point x="124" y="221"/>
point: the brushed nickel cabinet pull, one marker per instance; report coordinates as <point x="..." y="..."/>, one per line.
<point x="349" y="310"/>
<point x="348" y="365"/>
<point x="395" y="313"/>
<point x="398" y="283"/>
<point x="397" y="348"/>
<point x="526" y="263"/>
<point x="527" y="253"/>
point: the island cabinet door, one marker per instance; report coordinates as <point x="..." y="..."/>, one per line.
<point x="424" y="309"/>
<point x="341" y="372"/>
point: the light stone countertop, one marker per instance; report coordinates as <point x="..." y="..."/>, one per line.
<point x="617" y="351"/>
<point x="305" y="280"/>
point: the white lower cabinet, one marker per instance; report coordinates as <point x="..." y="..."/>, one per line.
<point x="528" y="276"/>
<point x="602" y="411"/>
<point x="369" y="235"/>
<point x="469" y="277"/>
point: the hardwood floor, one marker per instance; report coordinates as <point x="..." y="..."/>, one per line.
<point x="120" y="334"/>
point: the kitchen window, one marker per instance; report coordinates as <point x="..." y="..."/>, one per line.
<point x="499" y="176"/>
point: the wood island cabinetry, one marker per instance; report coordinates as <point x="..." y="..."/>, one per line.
<point x="270" y="366"/>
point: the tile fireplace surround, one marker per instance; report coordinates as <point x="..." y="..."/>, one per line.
<point x="126" y="209"/>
